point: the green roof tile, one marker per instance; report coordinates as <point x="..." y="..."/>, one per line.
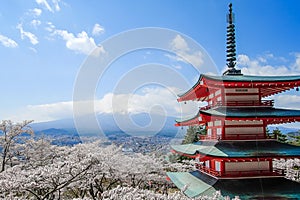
<point x="190" y="184"/>
<point x="245" y="112"/>
<point x="197" y="183"/>
<point x="251" y="112"/>
<point x="239" y="149"/>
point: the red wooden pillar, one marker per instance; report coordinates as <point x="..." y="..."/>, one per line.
<point x="222" y="168"/>
<point x="223" y="129"/>
<point x="270" y="164"/>
<point x="265" y="128"/>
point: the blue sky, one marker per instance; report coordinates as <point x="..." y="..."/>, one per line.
<point x="44" y="43"/>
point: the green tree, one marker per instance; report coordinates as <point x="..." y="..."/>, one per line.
<point x="192" y="134"/>
<point x="279" y="136"/>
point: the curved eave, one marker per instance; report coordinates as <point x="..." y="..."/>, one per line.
<point x="269" y="85"/>
<point x="193" y="88"/>
<point x="195" y="120"/>
<point x="239" y="150"/>
<point x="269" y="116"/>
<point x="192" y="150"/>
<point x="197" y="92"/>
<point x="200" y="93"/>
<point x="250" y="112"/>
<point x="252" y="79"/>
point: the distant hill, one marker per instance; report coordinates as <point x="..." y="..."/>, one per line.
<point x="111" y="128"/>
<point x="57" y="124"/>
<point x="283" y="129"/>
<point x="138" y="126"/>
<point x="56" y="132"/>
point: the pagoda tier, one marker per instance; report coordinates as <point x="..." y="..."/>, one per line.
<point x="228" y="123"/>
<point x="236" y="159"/>
<point x="227" y="90"/>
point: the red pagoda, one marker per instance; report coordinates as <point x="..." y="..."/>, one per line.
<point x="236" y="155"/>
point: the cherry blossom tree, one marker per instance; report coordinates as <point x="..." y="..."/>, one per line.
<point x="50" y="170"/>
<point x="289" y="167"/>
<point x="88" y="171"/>
<point x="129" y="193"/>
<point x="9" y="133"/>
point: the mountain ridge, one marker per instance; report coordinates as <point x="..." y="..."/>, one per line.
<point x="110" y="126"/>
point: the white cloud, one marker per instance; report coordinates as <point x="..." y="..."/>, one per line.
<point x="35" y="23"/>
<point x="179" y="44"/>
<point x="56" y="4"/>
<point x="184" y="53"/>
<point x="45" y="4"/>
<point x="260" y="66"/>
<point x="290" y="101"/>
<point x="32" y="38"/>
<point x="35" y="12"/>
<point x="45" y="112"/>
<point x="296" y="65"/>
<point x="7" y="42"/>
<point x="81" y="43"/>
<point x="98" y="29"/>
<point x="98" y="51"/>
<point x="50" y="27"/>
<point x="112" y="104"/>
<point x="142" y="102"/>
<point x="53" y="7"/>
<point x="33" y="49"/>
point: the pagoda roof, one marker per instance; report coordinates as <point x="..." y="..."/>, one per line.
<point x="272" y="115"/>
<point x="194" y="186"/>
<point x="208" y="83"/>
<point x="251" y="112"/>
<point x="248" y="78"/>
<point x="195" y="183"/>
<point x="239" y="149"/>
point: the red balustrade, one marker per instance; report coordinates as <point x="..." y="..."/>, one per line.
<point x="233" y="174"/>
<point x="207" y="170"/>
<point x="243" y="136"/>
<point x="262" y="103"/>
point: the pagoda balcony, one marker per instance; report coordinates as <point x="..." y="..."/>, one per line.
<point x="252" y="173"/>
<point x="262" y="103"/>
<point x="239" y="174"/>
<point x="207" y="170"/>
<point x="206" y="137"/>
<point x="250" y="136"/>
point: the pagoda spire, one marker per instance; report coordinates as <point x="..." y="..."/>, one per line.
<point x="231" y="51"/>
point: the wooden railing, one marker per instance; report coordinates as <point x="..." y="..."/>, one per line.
<point x="251" y="173"/>
<point x="249" y="136"/>
<point x="206" y="137"/>
<point x="207" y="170"/>
<point x="262" y="103"/>
<point x="232" y="174"/>
<point x="267" y="103"/>
<point x="244" y="136"/>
